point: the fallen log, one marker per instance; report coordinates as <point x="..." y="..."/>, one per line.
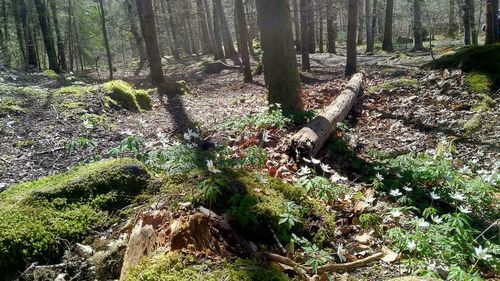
<point x="309" y="140"/>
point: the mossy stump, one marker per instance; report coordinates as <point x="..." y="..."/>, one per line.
<point x="124" y="95"/>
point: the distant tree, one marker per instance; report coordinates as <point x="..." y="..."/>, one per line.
<point x="218" y="51"/>
<point x="371" y="16"/>
<point x="297" y="23"/>
<point x="243" y="39"/>
<point x="59" y="39"/>
<point x="467" y="15"/>
<point x="389" y="11"/>
<point x="492" y="35"/>
<point x="304" y="34"/>
<point x="361" y="21"/>
<point x="229" y="50"/>
<point x="280" y="62"/>
<point x="203" y="23"/>
<point x="331" y="26"/>
<point x="48" y="41"/>
<point x="452" y="24"/>
<point x="418" y="41"/>
<point x="148" y="27"/>
<point x="311" y="25"/>
<point x="352" y="25"/>
<point x="173" y="24"/>
<point x="105" y="38"/>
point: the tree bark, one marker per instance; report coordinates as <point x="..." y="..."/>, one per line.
<point x="452" y="24"/>
<point x="310" y="139"/>
<point x="297" y="23"/>
<point x="280" y="62"/>
<point x="361" y="21"/>
<point x="48" y="41"/>
<point x="173" y="24"/>
<point x="202" y="21"/>
<point x="352" y="26"/>
<point x="371" y="26"/>
<point x="148" y="27"/>
<point x="473" y="26"/>
<point x="304" y="34"/>
<point x="311" y="24"/>
<point x="70" y="37"/>
<point x="5" y="37"/>
<point x="138" y="40"/>
<point x="331" y="27"/>
<point x="467" y="23"/>
<point x="243" y="37"/>
<point x="60" y="43"/>
<point x="417" y="26"/>
<point x="389" y="13"/>
<point x="218" y="52"/>
<point x="491" y="22"/>
<point x="105" y="38"/>
<point x="321" y="9"/>
<point x="19" y="30"/>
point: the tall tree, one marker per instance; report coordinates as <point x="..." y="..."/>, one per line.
<point x="218" y="51"/>
<point x="371" y="25"/>
<point x="304" y="34"/>
<point x="467" y="23"/>
<point x="203" y="23"/>
<point x="492" y="35"/>
<point x="280" y="62"/>
<point x="331" y="27"/>
<point x="48" y="41"/>
<point x="105" y="38"/>
<point x="389" y="13"/>
<point x="321" y="10"/>
<point x="229" y="50"/>
<point x="417" y="26"/>
<point x="138" y="40"/>
<point x="297" y="23"/>
<point x="60" y="42"/>
<point x="5" y="37"/>
<point x="452" y="24"/>
<point x="173" y="24"/>
<point x="148" y="27"/>
<point x="361" y="21"/>
<point x="352" y="26"/>
<point x="473" y="26"/>
<point x="311" y="24"/>
<point x="243" y="38"/>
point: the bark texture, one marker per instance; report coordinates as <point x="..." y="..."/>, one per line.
<point x="48" y="41"/>
<point x="352" y="25"/>
<point x="389" y="14"/>
<point x="243" y="37"/>
<point x="304" y="34"/>
<point x="418" y="43"/>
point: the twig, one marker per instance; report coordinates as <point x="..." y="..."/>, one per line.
<point x="50" y="151"/>
<point x="489" y="227"/>
<point x="276" y="240"/>
<point x="5" y="160"/>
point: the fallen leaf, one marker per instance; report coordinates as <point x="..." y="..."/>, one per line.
<point x="389" y="255"/>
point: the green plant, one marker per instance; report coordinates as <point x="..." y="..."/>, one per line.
<point x="131" y="145"/>
<point x="291" y="216"/>
<point x="313" y="255"/>
<point x="80" y="143"/>
<point x="254" y="156"/>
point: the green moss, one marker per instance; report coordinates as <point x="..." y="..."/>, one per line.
<point x="177" y="267"/>
<point x="24" y="143"/>
<point x="124" y="95"/>
<point x="393" y="84"/>
<point x="144" y="99"/>
<point x="39" y="216"/>
<point x="480" y="59"/>
<point x="75" y="90"/>
<point x="473" y="124"/>
<point x="479" y="83"/>
<point x="9" y="105"/>
<point x="72" y="105"/>
<point x="183" y="87"/>
<point x="51" y="74"/>
<point x="254" y="200"/>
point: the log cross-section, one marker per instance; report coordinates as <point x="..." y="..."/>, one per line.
<point x="311" y="138"/>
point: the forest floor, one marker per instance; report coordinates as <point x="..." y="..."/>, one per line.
<point x="404" y="109"/>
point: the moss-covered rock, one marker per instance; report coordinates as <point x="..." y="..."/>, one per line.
<point x="51" y="74"/>
<point x="177" y="267"/>
<point x="473" y="124"/>
<point x="144" y="99"/>
<point x="479" y="83"/>
<point x="39" y="217"/>
<point x="123" y="94"/>
<point x="183" y="87"/>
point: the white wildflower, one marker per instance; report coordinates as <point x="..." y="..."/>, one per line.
<point x="396" y="213"/>
<point x="211" y="167"/>
<point x="411" y="245"/>
<point x="434" y="196"/>
<point x="304" y="170"/>
<point x="464" y="210"/>
<point x="326" y="168"/>
<point x="379" y="177"/>
<point x="458" y="196"/>
<point x="341" y="253"/>
<point x="315" y="161"/>
<point x="437" y="220"/>
<point x="265" y="136"/>
<point x="408" y="189"/>
<point x="482" y="254"/>
<point x="369" y="199"/>
<point x="396" y="193"/>
<point x="421" y="223"/>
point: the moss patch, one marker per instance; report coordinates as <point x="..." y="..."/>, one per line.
<point x="76" y="90"/>
<point x="39" y="216"/>
<point x="484" y="60"/>
<point x="177" y="267"/>
<point x="479" y="83"/>
<point x="473" y="124"/>
<point x="9" y="105"/>
<point x="51" y="74"/>
<point x="127" y="97"/>
<point x="393" y="84"/>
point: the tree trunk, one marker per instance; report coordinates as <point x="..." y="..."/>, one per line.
<point x="48" y="41"/>
<point x="417" y="26"/>
<point x="467" y="23"/>
<point x="297" y="23"/>
<point x="218" y="52"/>
<point x="361" y="21"/>
<point x="321" y="18"/>
<point x="138" y="40"/>
<point x="389" y="12"/>
<point x="492" y="35"/>
<point x="331" y="26"/>
<point x="19" y="30"/>
<point x="194" y="47"/>
<point x="229" y="51"/>
<point x="368" y="25"/>
<point x="148" y="27"/>
<point x="496" y="35"/>
<point x="243" y="36"/>
<point x="105" y="37"/>
<point x="173" y="25"/>
<point x="280" y="62"/>
<point x="352" y="27"/>
<point x="60" y="43"/>
<point x="310" y="139"/>
<point x="473" y="27"/>
<point x="202" y="21"/>
<point x="452" y="24"/>
<point x="70" y="37"/>
<point x="6" y="36"/>
<point x="304" y="34"/>
<point x="371" y="25"/>
<point x="311" y="28"/>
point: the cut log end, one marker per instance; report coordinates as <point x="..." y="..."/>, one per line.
<point x="311" y="138"/>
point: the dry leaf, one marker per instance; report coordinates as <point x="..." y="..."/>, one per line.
<point x="389" y="255"/>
